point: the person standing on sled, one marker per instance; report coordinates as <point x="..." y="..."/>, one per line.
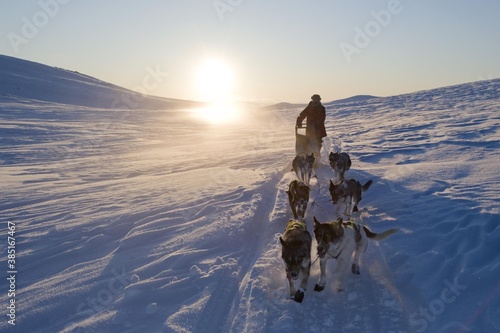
<point x="315" y="124"/>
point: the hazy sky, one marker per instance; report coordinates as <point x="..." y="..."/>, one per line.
<point x="273" y="50"/>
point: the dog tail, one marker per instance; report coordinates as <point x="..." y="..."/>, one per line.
<point x="381" y="236"/>
<point x="367" y="185"/>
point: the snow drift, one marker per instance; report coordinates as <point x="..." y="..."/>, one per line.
<point x="153" y="221"/>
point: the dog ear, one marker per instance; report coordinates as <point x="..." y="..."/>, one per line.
<point x="316" y="220"/>
<point x="282" y="242"/>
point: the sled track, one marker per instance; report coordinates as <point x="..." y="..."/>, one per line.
<point x="227" y="294"/>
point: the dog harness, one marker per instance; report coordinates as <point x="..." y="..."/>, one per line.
<point x="342" y="249"/>
<point x="294" y="225"/>
<point x="351" y="223"/>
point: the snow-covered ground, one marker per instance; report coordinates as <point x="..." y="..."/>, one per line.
<point x="154" y="221"/>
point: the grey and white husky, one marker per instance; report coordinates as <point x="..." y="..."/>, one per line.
<point x="298" y="196"/>
<point x="340" y="163"/>
<point x="339" y="240"/>
<point x="303" y="165"/>
<point x="348" y="192"/>
<point x="296" y="253"/>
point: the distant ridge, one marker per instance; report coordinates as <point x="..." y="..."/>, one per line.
<point x="356" y="98"/>
<point x="30" y="80"/>
<point x="352" y="99"/>
<point x="476" y="90"/>
<point x="285" y="105"/>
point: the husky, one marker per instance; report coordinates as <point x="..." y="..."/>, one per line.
<point x="303" y="165"/>
<point x="298" y="195"/>
<point x="339" y="240"/>
<point x="296" y="253"/>
<point x="348" y="192"/>
<point x="305" y="144"/>
<point x="340" y="163"/>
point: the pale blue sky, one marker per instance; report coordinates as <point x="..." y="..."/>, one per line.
<point x="279" y="50"/>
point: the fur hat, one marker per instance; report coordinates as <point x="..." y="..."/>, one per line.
<point x="316" y="96"/>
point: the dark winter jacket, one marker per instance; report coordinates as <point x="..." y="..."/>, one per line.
<point x="315" y="114"/>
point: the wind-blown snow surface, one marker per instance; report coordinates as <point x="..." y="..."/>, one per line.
<point x="149" y="221"/>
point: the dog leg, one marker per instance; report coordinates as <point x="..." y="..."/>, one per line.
<point x="291" y="283"/>
<point x="356" y="201"/>
<point x="338" y="208"/>
<point x="307" y="176"/>
<point x="292" y="206"/>
<point x="347" y="209"/>
<point x="299" y="294"/>
<point x="355" y="263"/>
<point x="322" y="279"/>
<point x="341" y="175"/>
<point x="361" y="246"/>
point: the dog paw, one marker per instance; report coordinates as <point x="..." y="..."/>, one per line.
<point x="355" y="269"/>
<point x="318" y="287"/>
<point x="299" y="296"/>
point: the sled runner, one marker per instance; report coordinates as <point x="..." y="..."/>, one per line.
<point x="301" y="141"/>
<point x="305" y="144"/>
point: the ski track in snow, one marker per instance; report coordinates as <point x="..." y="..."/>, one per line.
<point x="149" y="221"/>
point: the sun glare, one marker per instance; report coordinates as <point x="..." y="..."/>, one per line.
<point x="215" y="82"/>
<point x="219" y="113"/>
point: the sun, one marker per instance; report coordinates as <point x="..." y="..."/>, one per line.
<point x="215" y="81"/>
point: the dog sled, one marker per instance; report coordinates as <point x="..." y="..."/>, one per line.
<point x="306" y="143"/>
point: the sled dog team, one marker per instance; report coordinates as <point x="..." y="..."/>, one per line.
<point x="335" y="239"/>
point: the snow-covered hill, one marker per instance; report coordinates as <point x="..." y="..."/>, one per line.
<point x="30" y="80"/>
<point x="154" y="221"/>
